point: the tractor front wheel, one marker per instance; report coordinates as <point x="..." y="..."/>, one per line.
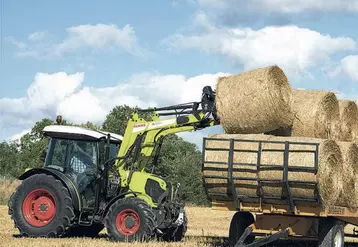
<point x="41" y="207"/>
<point x="130" y="219"/>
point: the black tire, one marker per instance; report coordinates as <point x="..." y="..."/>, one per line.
<point x="140" y="217"/>
<point x="330" y="233"/>
<point x="57" y="201"/>
<point x="239" y="222"/>
<point x="85" y="231"/>
<point x="176" y="234"/>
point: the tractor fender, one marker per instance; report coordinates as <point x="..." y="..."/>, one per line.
<point x="114" y="199"/>
<point x="61" y="177"/>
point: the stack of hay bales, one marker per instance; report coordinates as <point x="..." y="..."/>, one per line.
<point x="261" y="105"/>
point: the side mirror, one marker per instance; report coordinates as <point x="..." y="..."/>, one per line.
<point x="101" y="149"/>
<point x="43" y="155"/>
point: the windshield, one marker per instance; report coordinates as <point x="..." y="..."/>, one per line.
<point x="75" y="154"/>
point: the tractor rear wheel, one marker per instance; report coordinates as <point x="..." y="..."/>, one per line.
<point x="130" y="219"/>
<point x="41" y="207"/>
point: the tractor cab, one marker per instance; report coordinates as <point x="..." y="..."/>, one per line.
<point x="76" y="152"/>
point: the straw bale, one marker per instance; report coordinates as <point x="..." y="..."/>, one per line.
<point x="316" y="112"/>
<point x="328" y="178"/>
<point x="255" y="101"/>
<point x="347" y="128"/>
<point x="349" y="194"/>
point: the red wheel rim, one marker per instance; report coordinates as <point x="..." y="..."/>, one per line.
<point x="127" y="222"/>
<point x="39" y="207"/>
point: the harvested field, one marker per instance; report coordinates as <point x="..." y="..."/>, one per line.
<point x="206" y="227"/>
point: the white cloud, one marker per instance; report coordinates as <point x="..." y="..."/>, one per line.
<point x="282" y="6"/>
<point x="41" y="100"/>
<point x="48" y="89"/>
<point x="99" y="37"/>
<point x="65" y="94"/>
<point x="348" y="66"/>
<point x="293" y="48"/>
<point x="18" y="44"/>
<point x="197" y="136"/>
<point x="18" y="136"/>
<point x="37" y="36"/>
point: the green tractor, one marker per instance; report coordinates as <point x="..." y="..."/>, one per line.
<point x="93" y="180"/>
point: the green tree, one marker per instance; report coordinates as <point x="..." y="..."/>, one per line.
<point x="116" y="121"/>
<point x="8" y="158"/>
<point x="182" y="162"/>
<point x="33" y="146"/>
<point x="90" y="125"/>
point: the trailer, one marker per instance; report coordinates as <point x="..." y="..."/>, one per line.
<point x="260" y="219"/>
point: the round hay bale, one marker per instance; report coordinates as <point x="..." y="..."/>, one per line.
<point x="329" y="178"/>
<point x="220" y="185"/>
<point x="316" y="113"/>
<point x="348" y="123"/>
<point x="255" y="101"/>
<point x="349" y="195"/>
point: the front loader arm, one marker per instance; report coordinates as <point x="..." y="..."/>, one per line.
<point x="155" y="129"/>
<point x="188" y="118"/>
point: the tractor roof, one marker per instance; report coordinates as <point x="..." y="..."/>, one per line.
<point x="74" y="132"/>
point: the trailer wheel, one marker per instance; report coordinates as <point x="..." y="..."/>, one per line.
<point x="330" y="233"/>
<point x="239" y="222"/>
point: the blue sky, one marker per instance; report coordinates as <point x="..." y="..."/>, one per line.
<point x="81" y="58"/>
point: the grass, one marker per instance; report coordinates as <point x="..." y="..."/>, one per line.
<point x="7" y="186"/>
<point x="206" y="227"/>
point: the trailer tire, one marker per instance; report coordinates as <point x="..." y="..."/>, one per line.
<point x="330" y="233"/>
<point x="239" y="222"/>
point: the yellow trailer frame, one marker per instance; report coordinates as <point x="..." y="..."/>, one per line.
<point x="292" y="217"/>
<point x="302" y="223"/>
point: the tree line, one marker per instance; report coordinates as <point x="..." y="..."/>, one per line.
<point x="179" y="160"/>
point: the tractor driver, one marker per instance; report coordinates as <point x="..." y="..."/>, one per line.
<point x="82" y="165"/>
